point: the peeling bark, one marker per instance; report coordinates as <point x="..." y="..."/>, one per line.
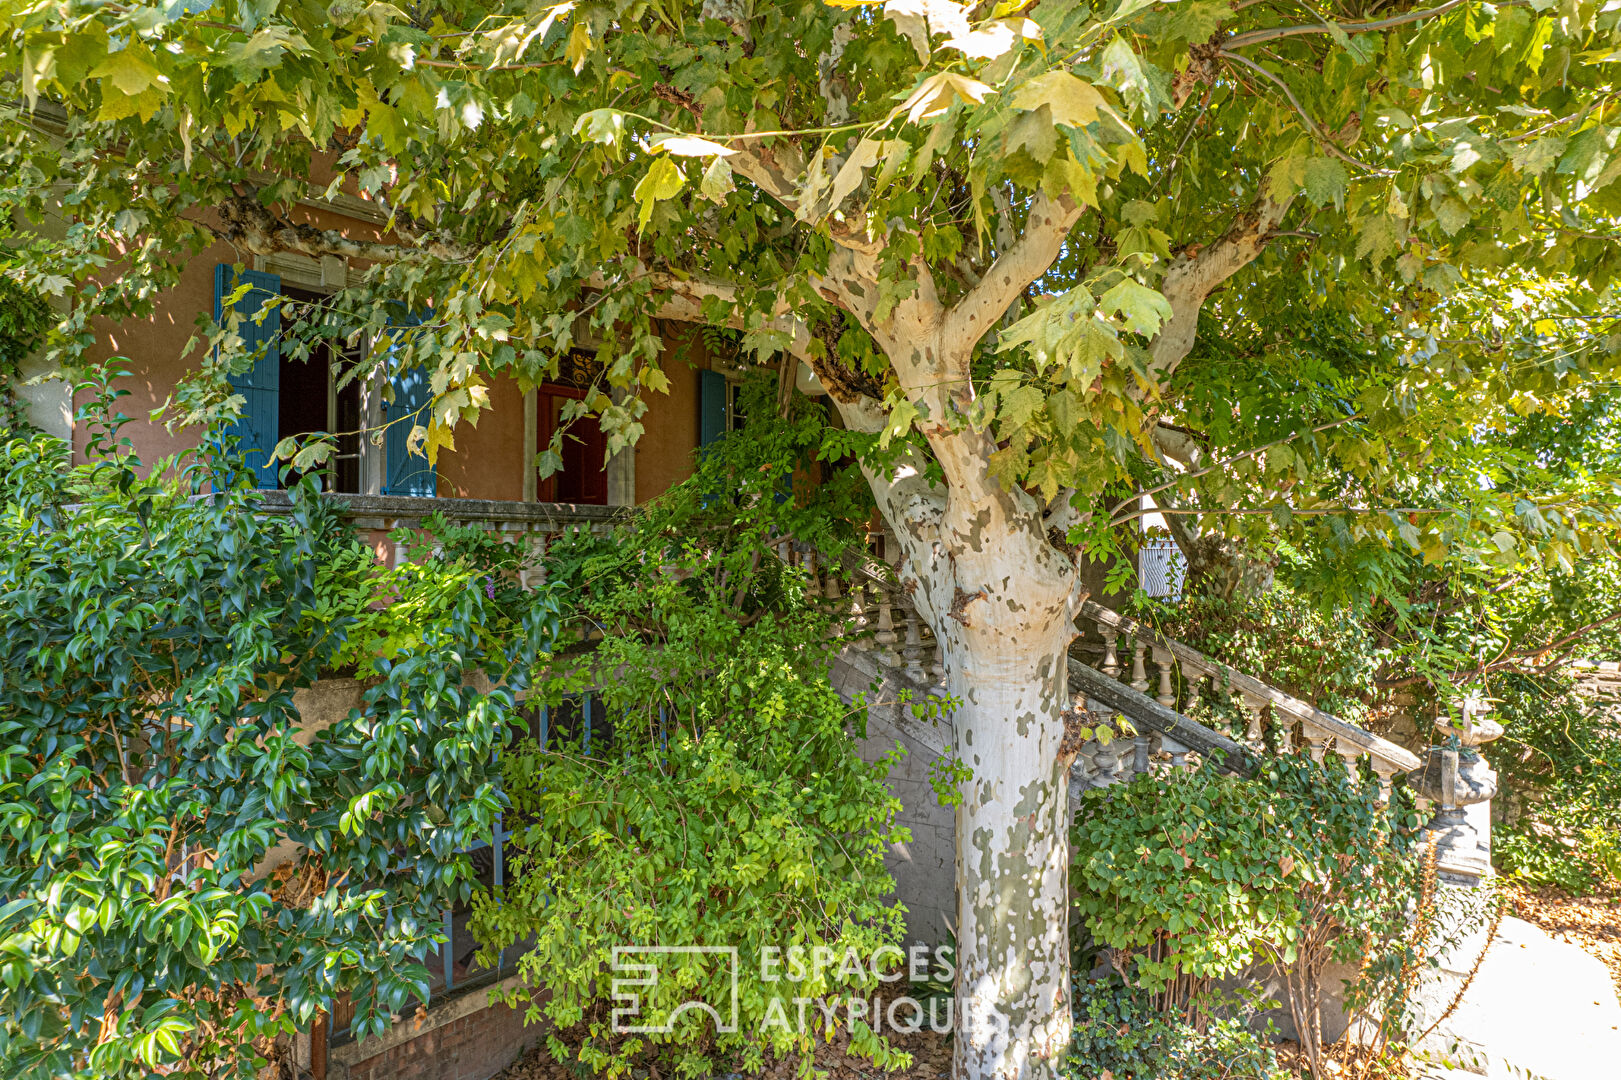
<point x="1196" y="271"/>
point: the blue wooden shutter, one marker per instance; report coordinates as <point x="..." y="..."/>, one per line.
<point x="407" y="473"/>
<point x="711" y="406"/>
<point x="259" y="426"/>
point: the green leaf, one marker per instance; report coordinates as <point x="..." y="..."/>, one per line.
<point x="1143" y="309"/>
<point x="130" y="70"/>
<point x="1324" y="181"/>
<point x="1073" y="102"/>
<point x="717" y="181"/>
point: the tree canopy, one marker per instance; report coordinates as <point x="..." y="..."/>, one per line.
<point x="552" y="172"/>
<point x="1003" y="235"/>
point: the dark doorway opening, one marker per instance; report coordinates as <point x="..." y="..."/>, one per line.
<point x="315" y="396"/>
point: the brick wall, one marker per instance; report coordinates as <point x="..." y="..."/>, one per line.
<point x="461" y="1038"/>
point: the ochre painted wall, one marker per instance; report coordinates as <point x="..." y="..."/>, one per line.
<point x="664" y="456"/>
<point x="488" y="461"/>
<point x="151" y="352"/>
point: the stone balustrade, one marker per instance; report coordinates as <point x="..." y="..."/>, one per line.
<point x="1278" y="722"/>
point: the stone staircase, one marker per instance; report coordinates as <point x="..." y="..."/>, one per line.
<point x="1114" y="684"/>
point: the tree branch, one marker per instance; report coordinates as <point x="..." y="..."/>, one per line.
<point x="1255" y="37"/>
<point x="1196" y="271"/>
<point x="1507" y="659"/>
<point x="1311" y="125"/>
<point x="1027" y="259"/>
<point x="1231" y="460"/>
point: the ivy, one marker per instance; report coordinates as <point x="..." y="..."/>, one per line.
<point x="1198" y="876"/>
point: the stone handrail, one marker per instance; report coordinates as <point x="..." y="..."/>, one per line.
<point x="882" y="622"/>
<point x="404" y="509"/>
<point x="1182" y="671"/>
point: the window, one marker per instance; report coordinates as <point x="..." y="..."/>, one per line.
<point x="294" y="391"/>
<point x="314" y="396"/>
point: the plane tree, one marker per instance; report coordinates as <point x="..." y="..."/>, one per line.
<point x="989" y="230"/>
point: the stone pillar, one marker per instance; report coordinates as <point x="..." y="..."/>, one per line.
<point x="1458" y="781"/>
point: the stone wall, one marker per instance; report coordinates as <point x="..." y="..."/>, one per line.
<point x="925" y="867"/>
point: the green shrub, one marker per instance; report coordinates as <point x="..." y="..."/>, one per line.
<point x="727" y="806"/>
<point x="1559" y="763"/>
<point x="390" y="609"/>
<point x="1197" y="876"/>
<point x="152" y="636"/>
<point x="1121" y="1032"/>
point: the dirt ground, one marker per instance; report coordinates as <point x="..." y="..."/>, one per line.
<point x="1592" y="923"/>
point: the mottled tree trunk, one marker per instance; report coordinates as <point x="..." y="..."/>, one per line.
<point x="1001" y="601"/>
<point x="1013" y="1009"/>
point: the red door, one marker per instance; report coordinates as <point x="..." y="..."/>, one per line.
<point x="584" y="478"/>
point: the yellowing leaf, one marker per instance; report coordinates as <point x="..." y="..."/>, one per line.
<point x="862" y="158"/>
<point x="604" y="126"/>
<point x="995" y="38"/>
<point x="717" y="180"/>
<point x="907" y="15"/>
<point x="662" y="181"/>
<point x="439" y="437"/>
<point x="938" y="93"/>
<point x="1074" y="102"/>
<point x="579" y="44"/>
<point x="130" y="71"/>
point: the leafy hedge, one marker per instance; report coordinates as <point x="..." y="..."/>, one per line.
<point x="1559" y="768"/>
<point x="728" y="806"/>
<point x="1198" y="876"/>
<point x="153" y="633"/>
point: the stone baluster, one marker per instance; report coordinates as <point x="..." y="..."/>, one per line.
<point x="1178" y="753"/>
<point x="1385" y="771"/>
<point x="813" y="581"/>
<point x="1195" y="689"/>
<point x="533" y="575"/>
<point x="1111" y="658"/>
<point x="858" y="614"/>
<point x="885" y="638"/>
<point x="1139" y="754"/>
<point x="913" y="651"/>
<point x="1167" y="677"/>
<point x="1316" y="742"/>
<point x="1348" y="754"/>
<point x="937" y="665"/>
<point x="1107" y="758"/>
<point x="1253" y="736"/>
<point x="1139" y="672"/>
